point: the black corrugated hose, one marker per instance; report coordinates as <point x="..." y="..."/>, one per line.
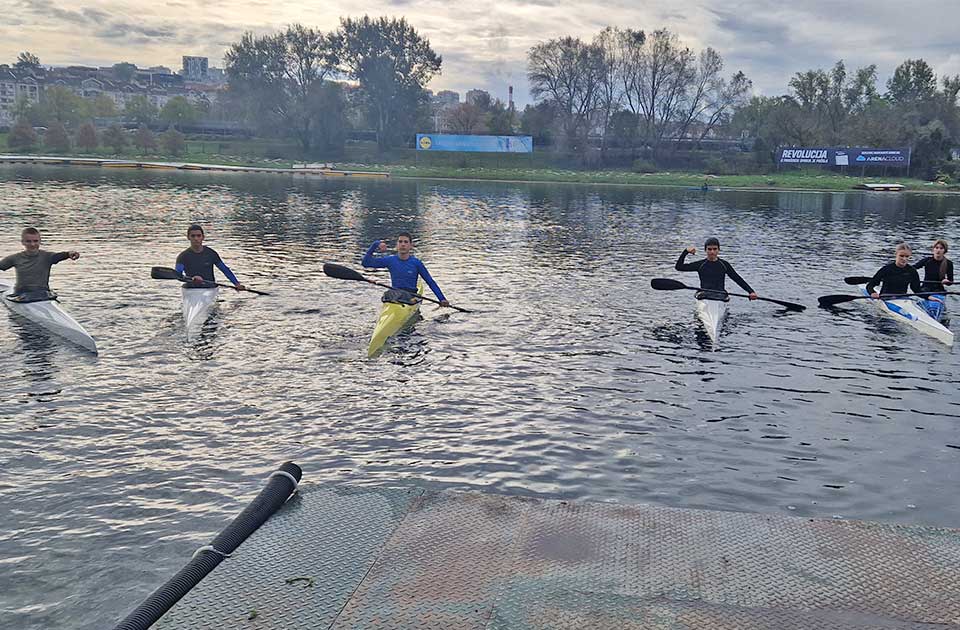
<point x="279" y="487"/>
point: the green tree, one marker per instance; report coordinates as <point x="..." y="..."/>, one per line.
<point x="173" y="142"/>
<point x="62" y="105"/>
<point x="22" y="136"/>
<point x="500" y="119"/>
<point x="57" y="138"/>
<point x="27" y="62"/>
<point x="23" y="107"/>
<point x="274" y="78"/>
<point x="145" y="140"/>
<point x="930" y="149"/>
<point x="178" y="111"/>
<point x="538" y="121"/>
<point x="116" y="138"/>
<point x="124" y="71"/>
<point x="912" y="81"/>
<point x="104" y="107"/>
<point x="392" y="63"/>
<point x="86" y="139"/>
<point x="140" y="110"/>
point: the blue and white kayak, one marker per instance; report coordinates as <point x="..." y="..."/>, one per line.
<point x="936" y="306"/>
<point x="911" y="312"/>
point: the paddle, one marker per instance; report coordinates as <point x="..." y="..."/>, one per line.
<point x="866" y="279"/>
<point x="166" y="273"/>
<point x="826" y="301"/>
<point x="346" y="273"/>
<point x="665" y="284"/>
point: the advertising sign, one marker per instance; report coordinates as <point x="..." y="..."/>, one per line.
<point x="475" y="144"/>
<point x="854" y="156"/>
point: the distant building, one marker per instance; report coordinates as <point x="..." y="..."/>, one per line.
<point x="159" y="70"/>
<point x="446" y="97"/>
<point x="195" y="68"/>
<point x="475" y="97"/>
<point x="15" y="85"/>
<point x="955" y="154"/>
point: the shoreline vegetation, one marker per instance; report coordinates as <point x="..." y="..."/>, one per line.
<point x="487" y="168"/>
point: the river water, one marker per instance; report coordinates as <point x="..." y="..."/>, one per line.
<point x="572" y="379"/>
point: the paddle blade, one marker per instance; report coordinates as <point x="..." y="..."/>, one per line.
<point x="857" y="279"/>
<point x="164" y="273"/>
<point x="826" y="301"/>
<point x="342" y="273"/>
<point x="790" y="306"/>
<point x="666" y="284"/>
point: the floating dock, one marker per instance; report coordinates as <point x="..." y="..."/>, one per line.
<point x="371" y="557"/>
<point x="881" y="187"/>
<point x="186" y="166"/>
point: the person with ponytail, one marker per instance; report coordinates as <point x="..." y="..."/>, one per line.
<point x="937" y="273"/>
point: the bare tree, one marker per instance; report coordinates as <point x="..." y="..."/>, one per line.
<point x="466" y="118"/>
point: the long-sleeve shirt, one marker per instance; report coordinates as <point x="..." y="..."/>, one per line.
<point x="33" y="270"/>
<point x="403" y="273"/>
<point x="934" y="273"/>
<point x="191" y="263"/>
<point x="712" y="274"/>
<point x="895" y="280"/>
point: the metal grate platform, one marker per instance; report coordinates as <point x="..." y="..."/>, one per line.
<point x="408" y="558"/>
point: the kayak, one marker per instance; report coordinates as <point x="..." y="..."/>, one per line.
<point x="911" y="312"/>
<point x="936" y="308"/>
<point x="393" y="318"/>
<point x="197" y="305"/>
<point x="49" y="315"/>
<point x="712" y="314"/>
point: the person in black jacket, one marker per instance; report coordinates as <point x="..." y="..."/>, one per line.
<point x="896" y="277"/>
<point x="713" y="270"/>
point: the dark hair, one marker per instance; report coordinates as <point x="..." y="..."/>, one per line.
<point x="711" y="241"/>
<point x="407" y="234"/>
<point x="195" y="228"/>
<point x="29" y="230"/>
<point x="943" y="263"/>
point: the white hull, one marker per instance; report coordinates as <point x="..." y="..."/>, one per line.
<point x="49" y="315"/>
<point x="910" y="312"/>
<point x="197" y="306"/>
<point x="712" y="314"/>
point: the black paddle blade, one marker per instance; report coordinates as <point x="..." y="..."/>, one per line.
<point x="342" y="273"/>
<point x="790" y="306"/>
<point x="857" y="279"/>
<point x="826" y="301"/>
<point x="164" y="273"/>
<point x="666" y="284"/>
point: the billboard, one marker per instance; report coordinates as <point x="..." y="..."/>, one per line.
<point x="475" y="144"/>
<point x="853" y="156"/>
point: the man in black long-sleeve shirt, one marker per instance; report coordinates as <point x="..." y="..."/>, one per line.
<point x="896" y="277"/>
<point x="713" y="270"/>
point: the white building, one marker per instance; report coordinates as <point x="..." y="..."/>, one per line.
<point x="12" y="87"/>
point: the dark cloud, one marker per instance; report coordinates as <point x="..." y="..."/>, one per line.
<point x="47" y="9"/>
<point x="122" y="30"/>
<point x="748" y="28"/>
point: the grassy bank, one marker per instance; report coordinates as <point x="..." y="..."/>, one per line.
<point x="405" y="164"/>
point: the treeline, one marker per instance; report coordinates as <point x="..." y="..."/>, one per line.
<point x="284" y="84"/>
<point x="840" y="108"/>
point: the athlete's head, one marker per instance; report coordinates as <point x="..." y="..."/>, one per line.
<point x="30" y="237"/>
<point x="712" y="247"/>
<point x="195" y="234"/>
<point x="940" y="245"/>
<point x="903" y="254"/>
<point x="404" y="242"/>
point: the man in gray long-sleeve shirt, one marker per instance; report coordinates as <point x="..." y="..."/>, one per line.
<point x="33" y="265"/>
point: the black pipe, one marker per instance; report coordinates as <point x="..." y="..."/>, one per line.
<point x="278" y="489"/>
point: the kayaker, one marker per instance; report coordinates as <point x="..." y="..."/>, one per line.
<point x="713" y="271"/>
<point x="197" y="261"/>
<point x="896" y="277"/>
<point x="33" y="267"/>
<point x="937" y="269"/>
<point x="404" y="267"/>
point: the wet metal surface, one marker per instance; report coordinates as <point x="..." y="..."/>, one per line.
<point x="342" y="557"/>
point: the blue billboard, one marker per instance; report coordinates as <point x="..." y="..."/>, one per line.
<point x="853" y="156"/>
<point x="474" y="144"/>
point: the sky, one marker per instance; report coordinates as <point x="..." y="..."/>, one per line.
<point x="484" y="44"/>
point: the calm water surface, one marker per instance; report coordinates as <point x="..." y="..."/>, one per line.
<point x="573" y="379"/>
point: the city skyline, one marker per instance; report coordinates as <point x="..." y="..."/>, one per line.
<point x="486" y="47"/>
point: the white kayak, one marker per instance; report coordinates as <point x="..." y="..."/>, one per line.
<point x="197" y="306"/>
<point x="49" y="315"/>
<point x="712" y="314"/>
<point x="911" y="312"/>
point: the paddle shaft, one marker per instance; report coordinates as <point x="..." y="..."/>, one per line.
<point x="789" y="305"/>
<point x="422" y="297"/>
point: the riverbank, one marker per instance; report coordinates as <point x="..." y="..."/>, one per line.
<point x="779" y="181"/>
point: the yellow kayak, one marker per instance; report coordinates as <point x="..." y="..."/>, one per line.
<point x="393" y="318"/>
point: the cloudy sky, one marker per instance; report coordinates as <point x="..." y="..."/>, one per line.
<point x="484" y="44"/>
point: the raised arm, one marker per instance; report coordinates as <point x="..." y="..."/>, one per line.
<point x="369" y="260"/>
<point x="685" y="266"/>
